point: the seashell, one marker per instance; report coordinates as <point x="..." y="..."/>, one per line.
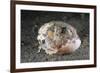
<point x="57" y="37"/>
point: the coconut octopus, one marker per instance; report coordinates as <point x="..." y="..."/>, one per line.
<point x="57" y="37"/>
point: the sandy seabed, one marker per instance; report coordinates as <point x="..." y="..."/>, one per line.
<point x="31" y="21"/>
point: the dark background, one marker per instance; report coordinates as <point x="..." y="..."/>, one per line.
<point x="31" y="21"/>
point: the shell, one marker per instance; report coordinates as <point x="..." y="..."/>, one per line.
<point x="57" y="37"/>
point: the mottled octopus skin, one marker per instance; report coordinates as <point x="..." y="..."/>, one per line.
<point x="58" y="37"/>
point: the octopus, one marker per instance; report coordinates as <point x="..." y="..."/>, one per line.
<point x="57" y="37"/>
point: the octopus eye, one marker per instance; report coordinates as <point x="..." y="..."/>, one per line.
<point x="43" y="41"/>
<point x="63" y="29"/>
